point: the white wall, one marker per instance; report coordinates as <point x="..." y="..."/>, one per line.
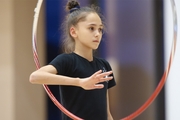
<point x="172" y="86"/>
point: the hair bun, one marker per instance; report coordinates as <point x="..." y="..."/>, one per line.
<point x="72" y="4"/>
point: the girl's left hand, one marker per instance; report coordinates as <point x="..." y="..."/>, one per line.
<point x="91" y="82"/>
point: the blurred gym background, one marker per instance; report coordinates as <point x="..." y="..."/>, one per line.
<point x="137" y="45"/>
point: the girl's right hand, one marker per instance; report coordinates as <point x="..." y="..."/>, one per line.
<point x="93" y="81"/>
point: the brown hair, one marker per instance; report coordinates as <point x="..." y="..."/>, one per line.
<point x="75" y="15"/>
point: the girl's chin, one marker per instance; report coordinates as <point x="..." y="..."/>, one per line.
<point x="95" y="48"/>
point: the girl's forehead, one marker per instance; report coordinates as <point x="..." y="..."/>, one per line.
<point x="93" y="18"/>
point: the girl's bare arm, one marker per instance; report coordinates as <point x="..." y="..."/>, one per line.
<point x="48" y="75"/>
<point x="108" y="108"/>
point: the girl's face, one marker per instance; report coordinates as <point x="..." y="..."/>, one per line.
<point x="89" y="32"/>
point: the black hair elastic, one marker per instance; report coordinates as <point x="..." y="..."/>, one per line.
<point x="74" y="9"/>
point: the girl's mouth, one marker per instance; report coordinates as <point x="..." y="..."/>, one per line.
<point x="96" y="41"/>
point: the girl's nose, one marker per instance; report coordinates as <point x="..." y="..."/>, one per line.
<point x="97" y="33"/>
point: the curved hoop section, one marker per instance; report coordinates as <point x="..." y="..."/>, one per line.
<point x="37" y="63"/>
<point x="145" y="105"/>
<point x="165" y="75"/>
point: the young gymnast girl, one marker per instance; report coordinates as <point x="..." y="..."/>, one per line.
<point x="83" y="79"/>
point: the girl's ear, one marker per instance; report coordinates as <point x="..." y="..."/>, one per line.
<point x="73" y="32"/>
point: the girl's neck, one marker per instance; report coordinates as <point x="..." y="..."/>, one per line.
<point x="85" y="54"/>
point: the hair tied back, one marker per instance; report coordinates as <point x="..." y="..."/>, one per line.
<point x="72" y="6"/>
<point x="74" y="9"/>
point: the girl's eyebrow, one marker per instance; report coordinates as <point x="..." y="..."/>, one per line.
<point x="92" y="24"/>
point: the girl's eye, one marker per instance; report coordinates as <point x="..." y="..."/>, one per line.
<point x="100" y="30"/>
<point x="91" y="28"/>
